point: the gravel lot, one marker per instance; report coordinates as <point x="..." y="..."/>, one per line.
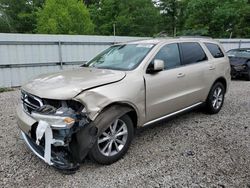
<point x="193" y="150"/>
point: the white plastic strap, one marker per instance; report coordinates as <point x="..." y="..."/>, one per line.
<point x="40" y="130"/>
<point x="48" y="141"/>
<point x="44" y="128"/>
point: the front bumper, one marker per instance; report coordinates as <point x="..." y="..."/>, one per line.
<point x="55" y="160"/>
<point x="58" y="157"/>
<point x="238" y="71"/>
<point x="24" y="121"/>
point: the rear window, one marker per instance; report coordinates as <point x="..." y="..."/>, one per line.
<point x="192" y="52"/>
<point x="214" y="50"/>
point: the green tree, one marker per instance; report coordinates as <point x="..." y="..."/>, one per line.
<point x="232" y="17"/>
<point x="90" y="2"/>
<point x="217" y="18"/>
<point x="242" y="29"/>
<point x="18" y="15"/>
<point x="170" y="12"/>
<point x="131" y="17"/>
<point x="64" y="17"/>
<point x="5" y="26"/>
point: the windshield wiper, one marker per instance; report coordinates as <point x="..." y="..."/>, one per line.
<point x="110" y="68"/>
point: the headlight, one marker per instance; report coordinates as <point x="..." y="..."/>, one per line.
<point x="56" y="122"/>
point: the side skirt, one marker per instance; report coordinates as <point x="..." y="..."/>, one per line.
<point x="173" y="114"/>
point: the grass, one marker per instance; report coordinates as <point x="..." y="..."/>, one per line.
<point x="5" y="89"/>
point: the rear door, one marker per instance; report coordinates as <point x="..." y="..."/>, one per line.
<point x="198" y="71"/>
<point x="219" y="63"/>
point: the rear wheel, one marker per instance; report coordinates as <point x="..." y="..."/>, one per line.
<point x="114" y="142"/>
<point x="215" y="98"/>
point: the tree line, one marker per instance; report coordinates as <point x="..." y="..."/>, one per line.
<point x="218" y="19"/>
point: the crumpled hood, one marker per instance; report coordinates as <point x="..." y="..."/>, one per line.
<point x="67" y="84"/>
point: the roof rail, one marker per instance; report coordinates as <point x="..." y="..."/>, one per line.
<point x="196" y="36"/>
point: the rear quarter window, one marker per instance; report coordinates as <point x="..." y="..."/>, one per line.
<point x="215" y="50"/>
<point x="192" y="52"/>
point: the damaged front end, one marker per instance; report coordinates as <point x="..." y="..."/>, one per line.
<point x="62" y="134"/>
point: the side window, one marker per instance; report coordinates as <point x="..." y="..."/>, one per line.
<point x="192" y="52"/>
<point x="214" y="50"/>
<point x="170" y="55"/>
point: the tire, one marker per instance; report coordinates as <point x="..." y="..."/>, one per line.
<point x="101" y="155"/>
<point x="215" y="101"/>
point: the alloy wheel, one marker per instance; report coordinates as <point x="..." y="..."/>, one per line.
<point x="217" y="98"/>
<point x="113" y="139"/>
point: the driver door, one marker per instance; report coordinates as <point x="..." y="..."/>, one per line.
<point x="166" y="90"/>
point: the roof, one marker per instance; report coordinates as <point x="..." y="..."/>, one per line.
<point x="180" y="39"/>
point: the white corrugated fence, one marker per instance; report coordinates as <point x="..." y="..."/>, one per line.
<point x="25" y="56"/>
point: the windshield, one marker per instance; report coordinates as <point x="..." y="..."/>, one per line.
<point x="245" y="53"/>
<point x="121" y="57"/>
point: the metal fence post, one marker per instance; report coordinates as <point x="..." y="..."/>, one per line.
<point x="60" y="54"/>
<point x="240" y="44"/>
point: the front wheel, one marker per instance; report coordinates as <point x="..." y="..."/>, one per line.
<point x="215" y="98"/>
<point x="114" y="142"/>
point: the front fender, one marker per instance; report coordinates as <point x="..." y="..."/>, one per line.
<point x="94" y="102"/>
<point x="86" y="137"/>
<point x="130" y="91"/>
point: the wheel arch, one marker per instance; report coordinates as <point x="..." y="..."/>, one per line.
<point x="221" y="80"/>
<point x="131" y="111"/>
<point x="84" y="138"/>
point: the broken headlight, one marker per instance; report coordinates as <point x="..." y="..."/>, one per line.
<point x="63" y="114"/>
<point x="55" y="121"/>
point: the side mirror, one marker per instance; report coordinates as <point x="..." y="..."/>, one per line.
<point x="156" y="66"/>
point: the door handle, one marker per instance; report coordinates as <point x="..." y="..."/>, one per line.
<point x="211" y="67"/>
<point x="180" y="75"/>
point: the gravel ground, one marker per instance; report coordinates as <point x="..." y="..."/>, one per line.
<point x="192" y="150"/>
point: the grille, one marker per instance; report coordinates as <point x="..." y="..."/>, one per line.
<point x="30" y="102"/>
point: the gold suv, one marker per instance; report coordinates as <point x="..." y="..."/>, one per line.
<point x="95" y="109"/>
